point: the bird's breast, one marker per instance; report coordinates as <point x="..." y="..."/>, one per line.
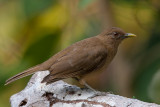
<point x="110" y="55"/>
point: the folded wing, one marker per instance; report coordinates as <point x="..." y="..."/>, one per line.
<point x="79" y="62"/>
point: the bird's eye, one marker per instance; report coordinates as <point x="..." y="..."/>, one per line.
<point x="115" y="33"/>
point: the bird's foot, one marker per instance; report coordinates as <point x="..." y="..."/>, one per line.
<point x="98" y="93"/>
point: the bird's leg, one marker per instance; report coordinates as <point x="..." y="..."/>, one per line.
<point x="89" y="87"/>
<point x="97" y="93"/>
<point x="83" y="82"/>
<point x="76" y="78"/>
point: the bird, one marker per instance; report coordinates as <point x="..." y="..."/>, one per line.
<point x="81" y="59"/>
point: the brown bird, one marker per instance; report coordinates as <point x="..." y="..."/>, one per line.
<point x="81" y="59"/>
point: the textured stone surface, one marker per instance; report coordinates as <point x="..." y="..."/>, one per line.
<point x="61" y="94"/>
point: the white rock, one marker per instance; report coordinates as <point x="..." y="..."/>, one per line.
<point x="61" y="94"/>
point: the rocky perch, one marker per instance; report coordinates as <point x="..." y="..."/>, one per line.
<point x="61" y="94"/>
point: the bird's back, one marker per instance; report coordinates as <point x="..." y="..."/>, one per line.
<point x="83" y="44"/>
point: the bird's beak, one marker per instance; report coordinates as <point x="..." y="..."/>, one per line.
<point x="129" y="35"/>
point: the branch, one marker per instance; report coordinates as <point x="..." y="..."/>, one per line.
<point x="58" y="94"/>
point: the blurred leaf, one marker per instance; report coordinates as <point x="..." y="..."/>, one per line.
<point x="84" y="3"/>
<point x="2" y="76"/>
<point x="92" y="29"/>
<point x="144" y="78"/>
<point x="154" y="88"/>
<point x="40" y="50"/>
<point x="134" y="97"/>
<point x="33" y="7"/>
<point x="155" y="34"/>
<point x="126" y="1"/>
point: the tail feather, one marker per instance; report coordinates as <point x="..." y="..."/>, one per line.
<point x="49" y="79"/>
<point x="24" y="74"/>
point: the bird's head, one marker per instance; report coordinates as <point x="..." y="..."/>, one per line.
<point x="116" y="35"/>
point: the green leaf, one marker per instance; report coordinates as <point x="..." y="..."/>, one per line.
<point x="34" y="7"/>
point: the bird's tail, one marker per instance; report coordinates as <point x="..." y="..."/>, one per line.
<point x="24" y="74"/>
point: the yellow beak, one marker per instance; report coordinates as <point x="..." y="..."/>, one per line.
<point x="130" y="35"/>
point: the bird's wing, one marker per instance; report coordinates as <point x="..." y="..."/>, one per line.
<point x="81" y="60"/>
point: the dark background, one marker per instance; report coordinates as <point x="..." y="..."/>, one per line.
<point x="31" y="31"/>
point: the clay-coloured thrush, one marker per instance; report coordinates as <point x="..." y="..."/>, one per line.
<point x="80" y="59"/>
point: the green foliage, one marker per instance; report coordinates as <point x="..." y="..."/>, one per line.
<point x="84" y="3"/>
<point x="134" y="97"/>
<point x="33" y="8"/>
<point x="144" y="78"/>
<point x="42" y="48"/>
<point x="150" y="63"/>
<point x="126" y="1"/>
<point x="31" y="31"/>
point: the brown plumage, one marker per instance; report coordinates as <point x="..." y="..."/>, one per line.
<point x="80" y="59"/>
